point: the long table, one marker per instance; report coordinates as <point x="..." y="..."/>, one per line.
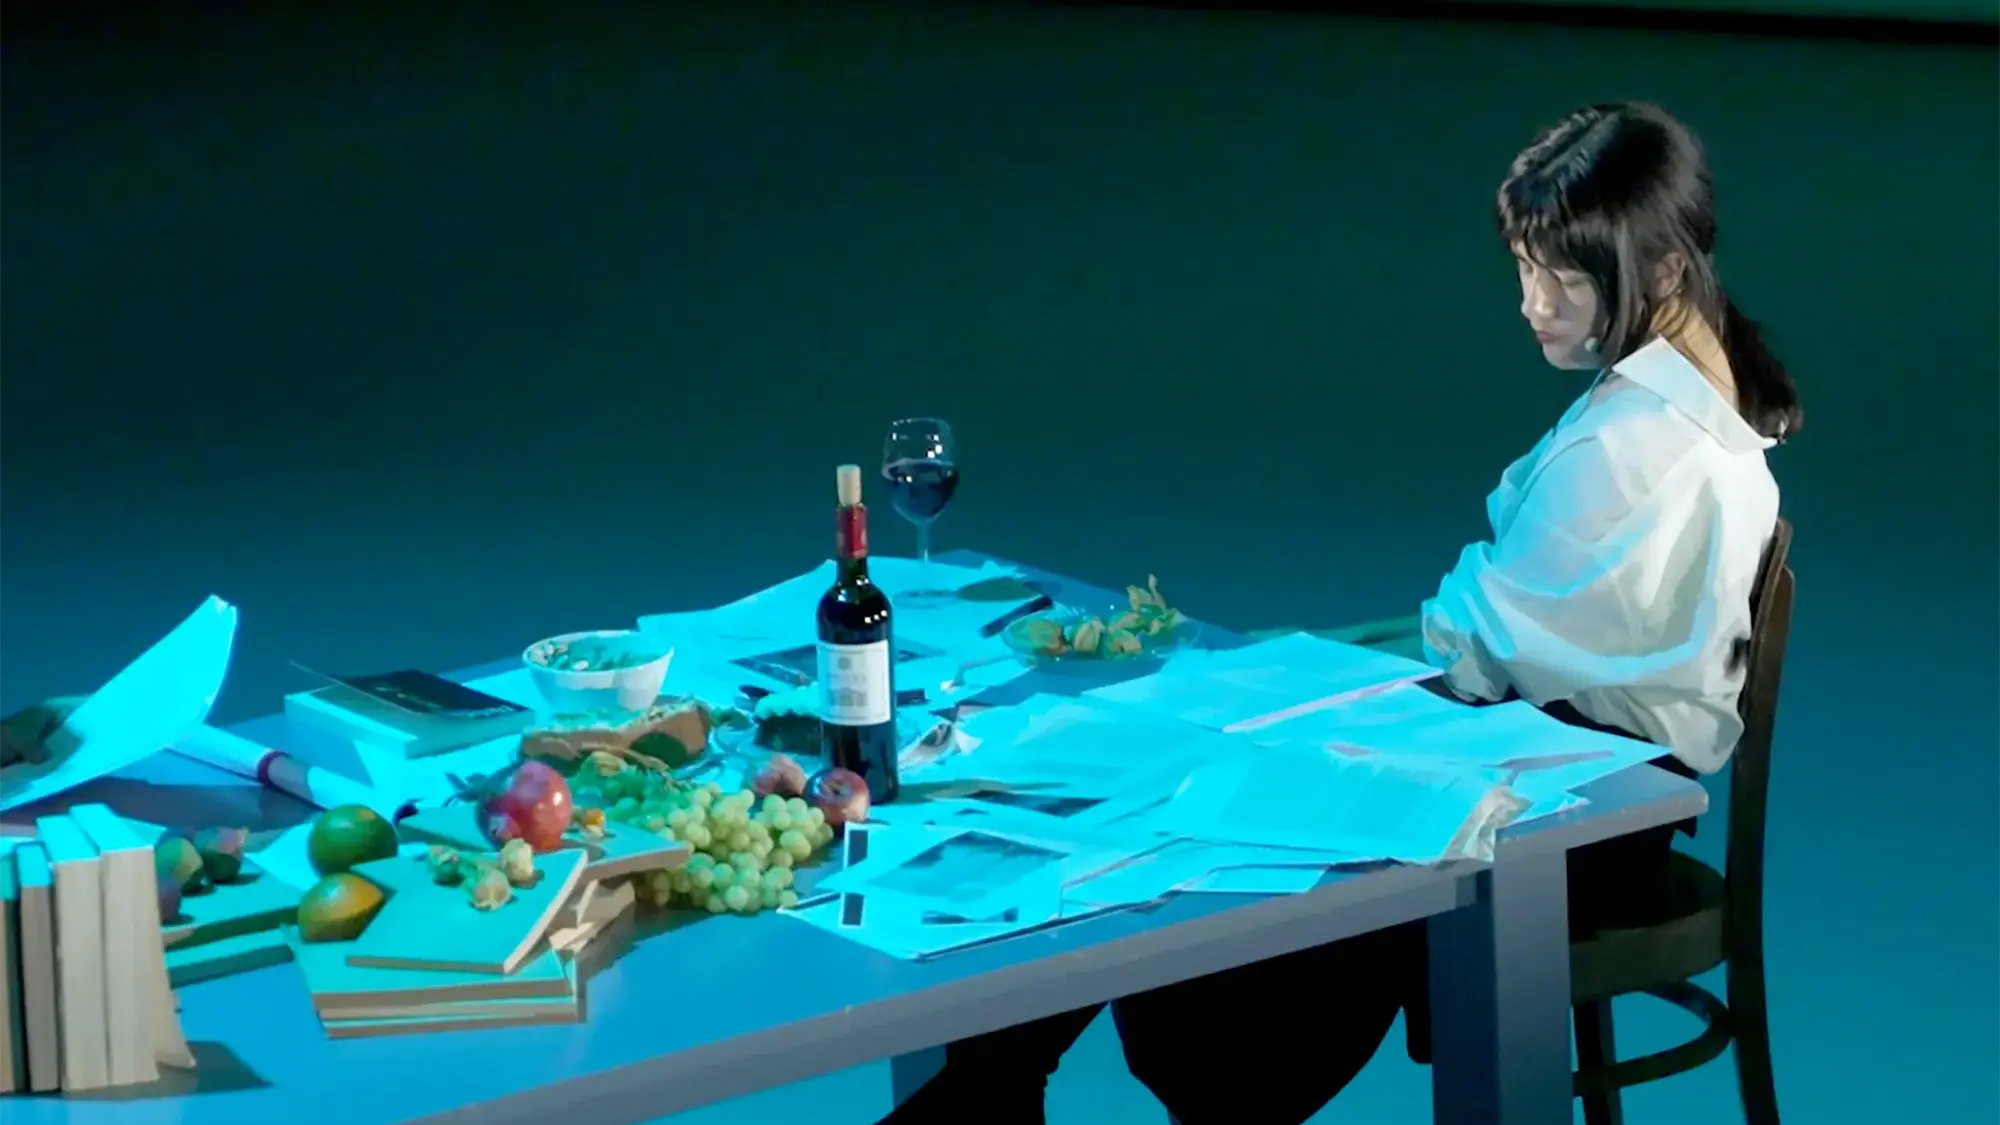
<point x="679" y="1020"/>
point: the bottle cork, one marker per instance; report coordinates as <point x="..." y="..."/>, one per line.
<point x="847" y="483"/>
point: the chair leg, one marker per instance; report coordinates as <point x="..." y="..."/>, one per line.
<point x="1595" y="1050"/>
<point x="1751" y="1025"/>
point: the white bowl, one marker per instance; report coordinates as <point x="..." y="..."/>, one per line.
<point x="573" y="690"/>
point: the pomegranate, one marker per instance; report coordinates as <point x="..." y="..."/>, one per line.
<point x="842" y="795"/>
<point x="531" y="803"/>
<point x="781" y="775"/>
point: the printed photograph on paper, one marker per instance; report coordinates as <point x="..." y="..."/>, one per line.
<point x="1057" y="805"/>
<point x="966" y="869"/>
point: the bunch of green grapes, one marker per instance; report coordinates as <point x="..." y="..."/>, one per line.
<point x="744" y="849"/>
<point x="641" y="798"/>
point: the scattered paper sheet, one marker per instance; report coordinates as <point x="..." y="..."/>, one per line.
<point x="428" y="779"/>
<point x="285" y="858"/>
<point x="1543" y="758"/>
<point x="950" y="678"/>
<point x="1182" y="865"/>
<point x="1513" y="735"/>
<point x="1032" y="811"/>
<point x="938" y="738"/>
<point x="1370" y="808"/>
<point x="895" y="575"/>
<point x="1549" y="806"/>
<point x="1259" y="685"/>
<point x="1081" y="747"/>
<point x="1556" y="783"/>
<point x="918" y="940"/>
<point x="899" y="938"/>
<point x="782" y="615"/>
<point x="1214" y="776"/>
<point x="714" y="637"/>
<point x="1257" y="881"/>
<point x="915" y="890"/>
<point x="949" y="626"/>
<point x="1356" y="719"/>
<point x="968" y="872"/>
<point x="1145" y="878"/>
<point x="156" y="699"/>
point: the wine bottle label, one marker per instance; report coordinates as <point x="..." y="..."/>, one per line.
<point x="854" y="684"/>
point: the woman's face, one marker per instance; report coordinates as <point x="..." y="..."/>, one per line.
<point x="1562" y="309"/>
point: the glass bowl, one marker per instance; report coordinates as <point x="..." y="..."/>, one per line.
<point x="1031" y="638"/>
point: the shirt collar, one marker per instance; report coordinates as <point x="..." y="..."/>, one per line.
<point x="1662" y="369"/>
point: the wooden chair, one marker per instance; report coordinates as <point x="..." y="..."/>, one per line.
<point x="1711" y="918"/>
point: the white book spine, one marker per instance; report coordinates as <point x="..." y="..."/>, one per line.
<point x="13" y="1074"/>
<point x="131" y="923"/>
<point x="79" y="903"/>
<point x="166" y="1042"/>
<point x="38" y="969"/>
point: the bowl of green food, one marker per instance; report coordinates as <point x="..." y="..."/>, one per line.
<point x="599" y="670"/>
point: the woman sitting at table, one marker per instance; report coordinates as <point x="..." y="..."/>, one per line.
<point x="1615" y="594"/>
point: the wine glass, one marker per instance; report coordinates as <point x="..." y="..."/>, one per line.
<point x="920" y="462"/>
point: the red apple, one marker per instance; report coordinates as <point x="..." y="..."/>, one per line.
<point x="535" y="807"/>
<point x="842" y="795"/>
<point x="781" y="775"/>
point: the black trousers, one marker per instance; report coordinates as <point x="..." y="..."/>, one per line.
<point x="1272" y="1042"/>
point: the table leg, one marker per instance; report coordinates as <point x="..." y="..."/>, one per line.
<point x="908" y="1073"/>
<point x="1499" y="996"/>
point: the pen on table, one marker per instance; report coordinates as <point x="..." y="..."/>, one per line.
<point x="1035" y="605"/>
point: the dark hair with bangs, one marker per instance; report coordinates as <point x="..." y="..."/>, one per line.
<point x="1611" y="191"/>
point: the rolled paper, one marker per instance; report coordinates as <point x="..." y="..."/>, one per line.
<point x="278" y="770"/>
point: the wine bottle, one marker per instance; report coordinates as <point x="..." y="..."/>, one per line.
<point x="857" y="688"/>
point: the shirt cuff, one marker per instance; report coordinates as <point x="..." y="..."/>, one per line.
<point x="1455" y="654"/>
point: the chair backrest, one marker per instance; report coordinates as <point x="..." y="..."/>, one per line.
<point x="1750" y="771"/>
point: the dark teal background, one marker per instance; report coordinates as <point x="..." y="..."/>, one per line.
<point x="422" y="337"/>
<point x="1984" y="10"/>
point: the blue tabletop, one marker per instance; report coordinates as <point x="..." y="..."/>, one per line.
<point x="707" y="1008"/>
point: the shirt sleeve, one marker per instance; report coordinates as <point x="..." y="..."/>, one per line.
<point x="1589" y="586"/>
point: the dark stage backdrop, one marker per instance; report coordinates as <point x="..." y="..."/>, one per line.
<point x="1953" y="10"/>
<point x="422" y="337"/>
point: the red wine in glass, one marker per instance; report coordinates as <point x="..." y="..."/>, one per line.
<point x="920" y="462"/>
<point x="919" y="489"/>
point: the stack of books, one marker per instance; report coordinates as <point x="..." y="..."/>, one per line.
<point x="431" y="961"/>
<point x="87" y="999"/>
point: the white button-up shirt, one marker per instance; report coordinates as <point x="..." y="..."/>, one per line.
<point x="1625" y="545"/>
